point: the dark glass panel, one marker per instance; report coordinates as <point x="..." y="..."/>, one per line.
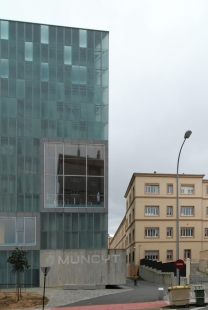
<point x="28" y="70"/>
<point x="4" y="87"/>
<point x="20" y="70"/>
<point x="60" y="36"/>
<point x="44" y="90"/>
<point x="67" y="36"/>
<point x="67" y="74"/>
<point x="28" y="32"/>
<point x="44" y="52"/>
<point x="52" y="91"/>
<point x="60" y="74"/>
<point x="36" y="90"/>
<point x="20" y="31"/>
<point x="75" y="56"/>
<point x="52" y="54"/>
<point x="74" y="191"/>
<point x="90" y="39"/>
<point x="36" y="53"/>
<point x="60" y="55"/>
<point x="98" y="40"/>
<point x="52" y="73"/>
<point x="12" y="70"/>
<point x="75" y="37"/>
<point x="12" y="50"/>
<point x="36" y="33"/>
<point x="20" y="108"/>
<point x="28" y="90"/>
<point x="83" y="56"/>
<point x="12" y="30"/>
<point x="21" y="52"/>
<point x="52" y="35"/>
<point x="95" y="191"/>
<point x="90" y="58"/>
<point x="4" y="49"/>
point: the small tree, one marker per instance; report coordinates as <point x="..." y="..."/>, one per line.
<point x="18" y="259"/>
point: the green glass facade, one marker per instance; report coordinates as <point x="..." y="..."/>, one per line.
<point x="53" y="92"/>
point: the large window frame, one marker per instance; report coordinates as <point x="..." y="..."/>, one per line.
<point x="16" y="230"/>
<point x="152" y="189"/>
<point x="151" y="210"/>
<point x="187" y="232"/>
<point x="187" y="211"/>
<point x="152" y="232"/>
<point x="76" y="180"/>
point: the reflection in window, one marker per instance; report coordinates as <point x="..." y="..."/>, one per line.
<point x="4" y="68"/>
<point x="74" y="175"/>
<point x="4" y="30"/>
<point x="44" y="34"/>
<point x="17" y="231"/>
<point x="82" y="38"/>
<point x="28" y="51"/>
<point x="44" y="71"/>
<point x="67" y="55"/>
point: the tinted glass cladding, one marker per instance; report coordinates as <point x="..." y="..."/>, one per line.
<point x="53" y="83"/>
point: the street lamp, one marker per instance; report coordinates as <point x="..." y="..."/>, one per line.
<point x="186" y="136"/>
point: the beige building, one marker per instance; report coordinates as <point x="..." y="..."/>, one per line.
<point x="148" y="229"/>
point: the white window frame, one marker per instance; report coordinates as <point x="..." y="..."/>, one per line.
<point x="187" y="211"/>
<point x="187" y="254"/>
<point x="169" y="254"/>
<point x="169" y="210"/>
<point x="187" y="189"/>
<point x="151" y="232"/>
<point x="152" y="210"/>
<point x="152" y="189"/>
<point x="169" y="189"/>
<point x="187" y="232"/>
<point x="169" y="232"/>
<point x="152" y="255"/>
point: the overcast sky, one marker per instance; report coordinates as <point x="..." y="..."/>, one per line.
<point x="158" y="81"/>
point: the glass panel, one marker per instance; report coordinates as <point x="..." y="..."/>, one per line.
<point x="74" y="159"/>
<point x="67" y="55"/>
<point x="44" y="71"/>
<point x="4" y="68"/>
<point x="95" y="192"/>
<point x="97" y="222"/>
<point x="20" y="89"/>
<point x="28" y="51"/>
<point x="67" y="222"/>
<point x="74" y="221"/>
<point x="95" y="160"/>
<point x="4" y="30"/>
<point x="82" y="38"/>
<point x="7" y="231"/>
<point x="60" y="92"/>
<point x="75" y="74"/>
<point x="44" y="34"/>
<point x="50" y="196"/>
<point x="30" y="231"/>
<point x="82" y="222"/>
<point x="83" y="75"/>
<point x="104" y="40"/>
<point x="75" y="191"/>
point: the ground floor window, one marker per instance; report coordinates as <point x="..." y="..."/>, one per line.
<point x="187" y="254"/>
<point x="17" y="231"/>
<point x="151" y="254"/>
<point x="169" y="254"/>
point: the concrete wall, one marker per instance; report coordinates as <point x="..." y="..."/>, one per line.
<point x="163" y="278"/>
<point x="81" y="267"/>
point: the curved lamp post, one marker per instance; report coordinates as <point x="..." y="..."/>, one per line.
<point x="186" y="136"/>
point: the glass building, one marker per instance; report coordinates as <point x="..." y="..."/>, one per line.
<point x="53" y="141"/>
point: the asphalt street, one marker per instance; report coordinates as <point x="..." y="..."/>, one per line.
<point x="144" y="292"/>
